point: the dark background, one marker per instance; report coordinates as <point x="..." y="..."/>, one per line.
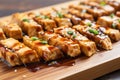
<point x="8" y="7"/>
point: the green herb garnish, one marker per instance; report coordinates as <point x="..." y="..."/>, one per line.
<point x="60" y="15"/>
<point x="44" y="42"/>
<point x="102" y="3"/>
<point x="42" y="16"/>
<point x="74" y="36"/>
<point x="119" y="20"/>
<point x="89" y="24"/>
<point x="94" y="31"/>
<point x="26" y="20"/>
<point x="34" y="38"/>
<point x="70" y="32"/>
<point x="114" y="25"/>
<point x="112" y="15"/>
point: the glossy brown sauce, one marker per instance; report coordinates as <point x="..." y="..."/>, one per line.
<point x="34" y="67"/>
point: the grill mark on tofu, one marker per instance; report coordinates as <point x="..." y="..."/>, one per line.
<point x="87" y="47"/>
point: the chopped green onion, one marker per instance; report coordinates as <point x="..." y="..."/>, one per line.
<point x="34" y="38"/>
<point x="60" y="15"/>
<point x="119" y="20"/>
<point x="94" y="31"/>
<point x="112" y="15"/>
<point x="102" y="3"/>
<point x="44" y="42"/>
<point x="44" y="17"/>
<point x="114" y="25"/>
<point x="70" y="32"/>
<point x="89" y="24"/>
<point x="26" y="20"/>
<point x="37" y="16"/>
<point x="74" y="36"/>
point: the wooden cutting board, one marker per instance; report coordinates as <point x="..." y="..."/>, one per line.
<point x="80" y="68"/>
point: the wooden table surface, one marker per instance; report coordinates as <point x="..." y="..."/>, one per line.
<point x="8" y="7"/>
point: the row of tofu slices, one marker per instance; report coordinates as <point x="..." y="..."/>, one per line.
<point x="59" y="32"/>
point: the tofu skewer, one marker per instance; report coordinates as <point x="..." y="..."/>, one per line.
<point x="69" y="12"/>
<point x="109" y="21"/>
<point x="16" y="53"/>
<point x="80" y="13"/>
<point x="28" y="25"/>
<point x="98" y="37"/>
<point x="95" y="11"/>
<point x="67" y="46"/>
<point x="45" y="51"/>
<point x="58" y="18"/>
<point x="102" y="5"/>
<point x="112" y="33"/>
<point x="87" y="47"/>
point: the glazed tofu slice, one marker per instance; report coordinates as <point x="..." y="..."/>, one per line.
<point x="75" y="20"/>
<point x="68" y="46"/>
<point x="114" y="3"/>
<point x="96" y="12"/>
<point x="99" y="38"/>
<point x="112" y="33"/>
<point x="47" y="24"/>
<point x="63" y="22"/>
<point x="9" y="57"/>
<point x="13" y="30"/>
<point x="28" y="25"/>
<point x="45" y="51"/>
<point x="25" y="54"/>
<point x="81" y="14"/>
<point x="2" y="35"/>
<point x="87" y="47"/>
<point x="109" y="21"/>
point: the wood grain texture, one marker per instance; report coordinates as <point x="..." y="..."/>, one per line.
<point x="84" y="68"/>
